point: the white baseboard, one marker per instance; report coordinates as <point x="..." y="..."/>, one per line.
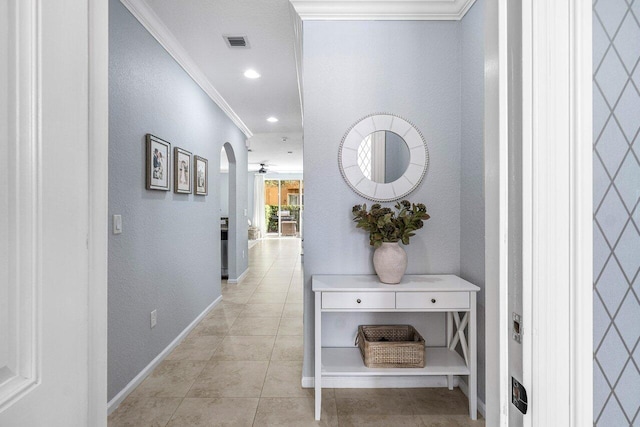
<point x="381" y="382"/>
<point x="137" y="380"/>
<point x="392" y="382"/>
<point x="239" y="279"/>
<point x="481" y="406"/>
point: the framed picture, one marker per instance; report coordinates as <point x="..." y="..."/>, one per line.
<point x="158" y="161"/>
<point x="200" y="176"/>
<point x="181" y="171"/>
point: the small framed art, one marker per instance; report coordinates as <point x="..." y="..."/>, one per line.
<point x="200" y="177"/>
<point x="181" y="171"/>
<point x="158" y="161"/>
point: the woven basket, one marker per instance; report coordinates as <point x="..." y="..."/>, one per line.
<point x="392" y="346"/>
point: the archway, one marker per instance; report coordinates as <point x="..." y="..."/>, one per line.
<point x="231" y="211"/>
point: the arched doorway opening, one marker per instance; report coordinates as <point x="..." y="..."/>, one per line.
<point x="228" y="210"/>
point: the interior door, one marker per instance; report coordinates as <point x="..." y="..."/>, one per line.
<point x="52" y="188"/>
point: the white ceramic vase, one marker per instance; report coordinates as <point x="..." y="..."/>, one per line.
<point x="390" y="262"/>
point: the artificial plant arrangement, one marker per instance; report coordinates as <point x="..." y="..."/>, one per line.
<point x="385" y="225"/>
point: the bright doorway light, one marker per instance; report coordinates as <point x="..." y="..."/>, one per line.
<point x="272" y="119"/>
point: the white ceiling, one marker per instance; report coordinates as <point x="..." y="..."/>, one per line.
<point x="198" y="26"/>
<point x="269" y="148"/>
<point x="192" y="31"/>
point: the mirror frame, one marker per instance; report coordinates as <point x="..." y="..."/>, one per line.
<point x="383" y="192"/>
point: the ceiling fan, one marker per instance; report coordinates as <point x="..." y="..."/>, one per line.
<point x="263" y="166"/>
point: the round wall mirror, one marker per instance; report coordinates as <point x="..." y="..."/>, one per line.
<point x="383" y="157"/>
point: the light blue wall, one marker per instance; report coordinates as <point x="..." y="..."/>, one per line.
<point x="168" y="256"/>
<point x="616" y="197"/>
<point x="250" y="191"/>
<point x="472" y="166"/>
<point x="352" y="69"/>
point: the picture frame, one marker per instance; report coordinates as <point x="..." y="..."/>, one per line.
<point x="182" y="171"/>
<point x="158" y="159"/>
<point x="200" y="176"/>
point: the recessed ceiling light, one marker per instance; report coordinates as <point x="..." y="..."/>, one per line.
<point x="251" y="74"/>
<point x="272" y="120"/>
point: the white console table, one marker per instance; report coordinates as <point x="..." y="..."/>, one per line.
<point x="415" y="293"/>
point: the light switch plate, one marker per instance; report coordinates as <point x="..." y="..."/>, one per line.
<point x="117" y="224"/>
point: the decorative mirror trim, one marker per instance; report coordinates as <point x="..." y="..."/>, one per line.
<point x="383" y="192"/>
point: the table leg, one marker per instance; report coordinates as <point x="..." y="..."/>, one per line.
<point x="449" y="338"/>
<point x="449" y="328"/>
<point x="318" y="354"/>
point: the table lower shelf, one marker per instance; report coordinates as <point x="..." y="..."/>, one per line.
<point x="346" y="361"/>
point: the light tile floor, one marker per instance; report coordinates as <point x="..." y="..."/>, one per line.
<point x="242" y="366"/>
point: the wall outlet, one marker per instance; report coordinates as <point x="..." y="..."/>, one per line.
<point x="154" y="318"/>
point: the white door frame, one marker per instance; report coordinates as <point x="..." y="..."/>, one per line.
<point x="98" y="105"/>
<point x="496" y="213"/>
<point x="559" y="119"/>
<point x="557" y="206"/>
<point x="557" y="214"/>
<point x="58" y="144"/>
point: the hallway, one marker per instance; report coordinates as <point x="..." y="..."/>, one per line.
<point x="242" y="366"/>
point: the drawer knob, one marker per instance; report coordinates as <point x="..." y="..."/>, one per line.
<point x="433" y="300"/>
<point x="358" y="301"/>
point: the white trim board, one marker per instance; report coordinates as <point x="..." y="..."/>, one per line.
<point x="396" y="10"/>
<point x="154" y="25"/>
<point x="557" y="200"/>
<point x="381" y="382"/>
<point x="21" y="328"/>
<point x="137" y="380"/>
<point x="496" y="178"/>
<point x="98" y="137"/>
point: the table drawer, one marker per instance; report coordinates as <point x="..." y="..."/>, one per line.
<point x="364" y="300"/>
<point x="432" y="300"/>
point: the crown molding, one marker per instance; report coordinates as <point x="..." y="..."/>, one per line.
<point x="154" y="25"/>
<point x="382" y="10"/>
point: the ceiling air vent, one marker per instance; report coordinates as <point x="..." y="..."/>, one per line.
<point x="236" y="41"/>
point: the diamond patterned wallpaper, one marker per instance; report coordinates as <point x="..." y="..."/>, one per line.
<point x="616" y="225"/>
